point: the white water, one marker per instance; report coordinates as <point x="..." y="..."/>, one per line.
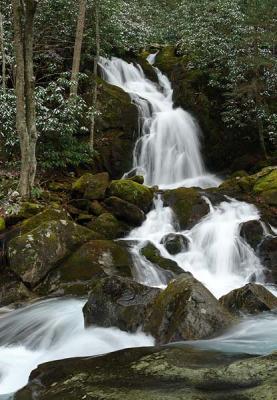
<point x="217" y="255"/>
<point x="167" y="152"/>
<point x="52" y="330"/>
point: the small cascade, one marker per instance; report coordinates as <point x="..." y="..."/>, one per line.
<point x="217" y="255"/>
<point x="167" y="153"/>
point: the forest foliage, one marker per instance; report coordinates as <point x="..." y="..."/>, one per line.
<point x="234" y="42"/>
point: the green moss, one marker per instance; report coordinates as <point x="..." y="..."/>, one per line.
<point x="109" y="227"/>
<point x="167" y="59"/>
<point x="187" y="204"/>
<point x="49" y="214"/>
<point x="266" y="183"/>
<point x="2" y="224"/>
<point x="152" y="254"/>
<point x="92" y="187"/>
<point x="132" y="192"/>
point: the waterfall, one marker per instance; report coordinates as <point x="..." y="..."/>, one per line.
<point x="167" y="152"/>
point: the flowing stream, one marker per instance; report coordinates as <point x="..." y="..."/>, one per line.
<point x="167" y="153"/>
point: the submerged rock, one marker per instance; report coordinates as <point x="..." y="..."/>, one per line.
<point x="93" y="260"/>
<point x="152" y="254"/>
<point x="186" y="310"/>
<point x="118" y="302"/>
<point x="167" y="373"/>
<point x="175" y="243"/>
<point x="249" y="299"/>
<point x="187" y="204"/>
<point x="35" y="253"/>
<point x="132" y="192"/>
<point x="125" y="210"/>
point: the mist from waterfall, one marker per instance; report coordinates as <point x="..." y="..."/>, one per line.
<point x="167" y="152"/>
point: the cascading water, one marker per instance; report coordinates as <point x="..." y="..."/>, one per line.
<point x="167" y="152"/>
<point x="52" y="330"/>
<point x="217" y="255"/>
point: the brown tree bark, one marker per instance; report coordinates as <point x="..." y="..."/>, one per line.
<point x="78" y="47"/>
<point x="3" y="54"/>
<point x="95" y="66"/>
<point x="23" y="19"/>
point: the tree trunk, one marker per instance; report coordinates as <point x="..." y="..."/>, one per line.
<point x="30" y="87"/>
<point x="95" y="66"/>
<point x="21" y="124"/>
<point x="78" y="47"/>
<point x="23" y="18"/>
<point x="3" y="54"/>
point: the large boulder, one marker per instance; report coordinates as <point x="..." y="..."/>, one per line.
<point x="76" y="274"/>
<point x="119" y="302"/>
<point x="126" y="211"/>
<point x="116" y="127"/>
<point x="152" y="254"/>
<point x="252" y="232"/>
<point x="33" y="254"/>
<point x="132" y="192"/>
<point x="187" y="204"/>
<point x="49" y="214"/>
<point x="148" y="373"/>
<point x="249" y="299"/>
<point x="92" y="187"/>
<point x="186" y="310"/>
<point x="175" y="243"/>
<point x="109" y="226"/>
<point x="12" y="290"/>
<point x="266" y="186"/>
<point x="267" y="252"/>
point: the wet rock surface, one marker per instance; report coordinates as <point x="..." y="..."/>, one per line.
<point x="94" y="260"/>
<point x="186" y="310"/>
<point x="187" y="204"/>
<point x="152" y="254"/>
<point x="175" y="243"/>
<point x="118" y="302"/>
<point x="167" y="373"/>
<point x="250" y="299"/>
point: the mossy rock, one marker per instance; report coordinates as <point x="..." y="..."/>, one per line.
<point x="152" y="254"/>
<point x="60" y="186"/>
<point x="109" y="226"/>
<point x="133" y="192"/>
<point x="49" y="214"/>
<point x="187" y="204"/>
<point x="124" y="210"/>
<point x="266" y="183"/>
<point x="137" y="178"/>
<point x="33" y="254"/>
<point x="167" y="60"/>
<point x="149" y="373"/>
<point x="186" y="310"/>
<point x="2" y="224"/>
<point x="97" y="208"/>
<point x="24" y="211"/>
<point x="92" y="187"/>
<point x="12" y="290"/>
<point x="249" y="299"/>
<point x="95" y="259"/>
<point x="118" y="302"/>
